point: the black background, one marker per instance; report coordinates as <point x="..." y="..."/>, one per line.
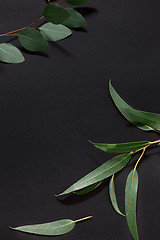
<point x="54" y="102"/>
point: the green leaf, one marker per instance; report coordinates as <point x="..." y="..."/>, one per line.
<point x="50" y="229"/>
<point x="102" y="172"/>
<point x="122" y="105"/>
<point x="88" y="189"/>
<point x="75" y="20"/>
<point x="10" y="54"/>
<point x="55" y="13"/>
<point x="131" y="201"/>
<point x="76" y="2"/>
<point x="54" y="32"/>
<point x="120" y="147"/>
<point x="140" y="118"/>
<point x="32" y="40"/>
<point x="112" y="195"/>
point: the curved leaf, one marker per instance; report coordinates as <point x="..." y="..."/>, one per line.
<point x="122" y="105"/>
<point x="139" y="118"/>
<point x="76" y="2"/>
<point x="131" y="201"/>
<point x="54" y="32"/>
<point x="120" y="147"/>
<point x="75" y="20"/>
<point x="112" y="195"/>
<point x="88" y="189"/>
<point x="10" y="54"/>
<point x="102" y="172"/>
<point x="32" y="40"/>
<point x="55" y="13"/>
<point x="50" y="229"/>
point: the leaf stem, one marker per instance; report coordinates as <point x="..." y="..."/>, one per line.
<point x="83" y="219"/>
<point x="144" y="149"/>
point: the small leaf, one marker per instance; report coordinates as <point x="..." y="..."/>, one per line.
<point x="32" y="40"/>
<point x="112" y="195"/>
<point x="10" y="54"/>
<point x="50" y="229"/>
<point x="140" y="118"/>
<point x="75" y="20"/>
<point x="120" y="147"/>
<point x="102" y="172"/>
<point x="55" y="13"/>
<point x="122" y="105"/>
<point x="76" y="2"/>
<point x="54" y="32"/>
<point x="131" y="201"/>
<point x="88" y="189"/>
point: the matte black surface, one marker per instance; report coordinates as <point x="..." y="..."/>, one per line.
<point x="54" y="102"/>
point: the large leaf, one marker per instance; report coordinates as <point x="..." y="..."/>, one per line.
<point x="120" y="147"/>
<point x="139" y="118"/>
<point x="76" y="2"/>
<point x="50" y="229"/>
<point x="131" y="201"/>
<point x="32" y="40"/>
<point x="122" y="105"/>
<point x="88" y="189"/>
<point x="75" y="20"/>
<point x="54" y="32"/>
<point x="105" y="170"/>
<point x="113" y="198"/>
<point x="55" y="13"/>
<point x="10" y="54"/>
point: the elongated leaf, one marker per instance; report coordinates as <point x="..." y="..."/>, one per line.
<point x="88" y="189"/>
<point x="50" y="229"/>
<point x="140" y="118"/>
<point x="122" y="105"/>
<point x="54" y="32"/>
<point x="10" y="54"/>
<point x="55" y="13"/>
<point x="102" y="172"/>
<point x="75" y="20"/>
<point x="112" y="195"/>
<point x="131" y="201"/>
<point x="33" y="40"/>
<point x="120" y="147"/>
<point x="76" y="2"/>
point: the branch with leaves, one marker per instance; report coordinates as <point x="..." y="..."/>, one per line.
<point x="59" y="22"/>
<point x="143" y="120"/>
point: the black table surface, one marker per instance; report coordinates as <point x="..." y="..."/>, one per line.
<point x="53" y="103"/>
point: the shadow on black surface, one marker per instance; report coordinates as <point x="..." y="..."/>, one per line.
<point x="86" y="11"/>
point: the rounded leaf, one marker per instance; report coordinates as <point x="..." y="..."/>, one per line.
<point x="32" y="40"/>
<point x="75" y="20"/>
<point x="10" y="54"/>
<point x="76" y="2"/>
<point x="55" y="13"/>
<point x="54" y="32"/>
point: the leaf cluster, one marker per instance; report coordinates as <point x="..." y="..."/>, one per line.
<point x="143" y="120"/>
<point x="59" y="21"/>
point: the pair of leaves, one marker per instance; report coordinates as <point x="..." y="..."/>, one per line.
<point x="95" y="178"/>
<point x="130" y="201"/>
<point x="144" y="120"/>
<point x="51" y="229"/>
<point x="99" y="174"/>
<point x="66" y="16"/>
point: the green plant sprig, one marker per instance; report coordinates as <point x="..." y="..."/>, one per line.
<point x="60" y="20"/>
<point x="143" y="120"/>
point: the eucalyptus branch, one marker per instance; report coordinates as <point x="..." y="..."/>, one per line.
<point x="60" y="20"/>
